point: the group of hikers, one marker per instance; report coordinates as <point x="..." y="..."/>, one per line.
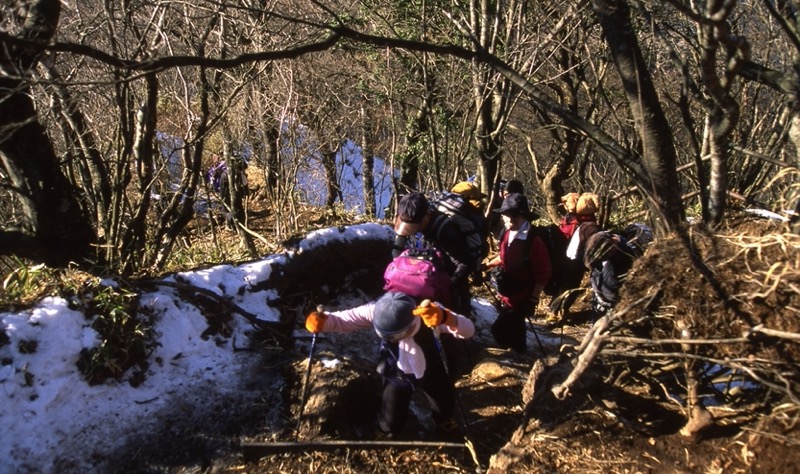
<point x="441" y="244"/>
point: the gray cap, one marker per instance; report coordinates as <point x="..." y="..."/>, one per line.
<point x="393" y="314"/>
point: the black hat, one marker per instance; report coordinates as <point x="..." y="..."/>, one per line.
<point x="412" y="207"/>
<point x="514" y="186"/>
<point x="514" y="203"/>
<point x="393" y="315"/>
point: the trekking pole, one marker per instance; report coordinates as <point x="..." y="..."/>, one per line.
<point x="438" y="341"/>
<point x="536" y="335"/>
<point x="304" y="394"/>
<point x="491" y="292"/>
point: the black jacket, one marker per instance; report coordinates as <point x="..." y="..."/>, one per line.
<point x="443" y="234"/>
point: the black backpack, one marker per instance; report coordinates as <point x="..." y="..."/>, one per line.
<point x="566" y="273"/>
<point x="470" y="224"/>
<point x="637" y="237"/>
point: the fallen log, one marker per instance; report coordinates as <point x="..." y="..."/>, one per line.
<point x="254" y="451"/>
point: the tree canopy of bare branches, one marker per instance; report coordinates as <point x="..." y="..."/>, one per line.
<point x="112" y="112"/>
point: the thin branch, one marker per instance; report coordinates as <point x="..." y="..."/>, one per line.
<point x="593" y="343"/>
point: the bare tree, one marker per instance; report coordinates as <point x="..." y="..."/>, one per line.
<point x="54" y="227"/>
<point x="184" y="81"/>
<point x="658" y="149"/>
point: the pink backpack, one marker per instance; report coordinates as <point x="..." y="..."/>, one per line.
<point x="419" y="274"/>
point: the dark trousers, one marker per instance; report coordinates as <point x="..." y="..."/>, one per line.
<point x="435" y="385"/>
<point x="462" y="298"/>
<point x="509" y="328"/>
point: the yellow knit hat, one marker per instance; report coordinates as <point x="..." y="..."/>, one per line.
<point x="468" y="191"/>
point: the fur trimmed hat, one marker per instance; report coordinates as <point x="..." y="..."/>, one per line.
<point x="588" y="203"/>
<point x="570" y="202"/>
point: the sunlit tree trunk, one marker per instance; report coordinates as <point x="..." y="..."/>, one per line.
<point x="180" y="209"/>
<point x="409" y="158"/>
<point x="724" y="112"/>
<point x="491" y="93"/>
<point x="134" y="240"/>
<point x="658" y="149"/>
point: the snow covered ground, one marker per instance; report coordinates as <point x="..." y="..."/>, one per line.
<point x="53" y="421"/>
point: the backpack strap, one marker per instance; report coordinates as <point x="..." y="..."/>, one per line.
<point x="438" y="223"/>
<point x="526" y="255"/>
<point x="387" y="365"/>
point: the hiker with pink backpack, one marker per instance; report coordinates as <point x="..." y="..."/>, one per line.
<point x="415" y="216"/>
<point x="411" y="356"/>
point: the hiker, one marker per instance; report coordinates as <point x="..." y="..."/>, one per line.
<point x="414" y="214"/>
<point x="217" y="174"/>
<point x="580" y="221"/>
<point x="577" y="225"/>
<point x="608" y="258"/>
<point x="410" y="357"/>
<point x="522" y="270"/>
<point x="217" y="178"/>
<point x="505" y="188"/>
<point x="473" y="210"/>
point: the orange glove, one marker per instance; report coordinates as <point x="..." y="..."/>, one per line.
<point x="316" y="321"/>
<point x="432" y="315"/>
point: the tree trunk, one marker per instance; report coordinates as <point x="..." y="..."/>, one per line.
<point x="272" y="170"/>
<point x="658" y="150"/>
<point x="331" y="181"/>
<point x="409" y="158"/>
<point x="368" y="180"/>
<point x="488" y="139"/>
<point x="56" y="230"/>
<point x="180" y="210"/>
<point x="134" y="240"/>
<point x="81" y="142"/>
<point x="724" y="113"/>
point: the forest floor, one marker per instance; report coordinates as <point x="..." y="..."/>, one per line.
<point x="611" y="422"/>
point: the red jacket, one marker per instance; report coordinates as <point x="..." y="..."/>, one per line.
<point x="526" y="275"/>
<point x="570" y="222"/>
